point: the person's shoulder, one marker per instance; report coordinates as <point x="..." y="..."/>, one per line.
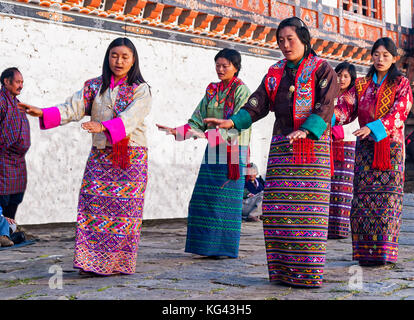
<point x="92" y="81"/>
<point x="241" y="86"/>
<point x="402" y="81"/>
<point x="141" y="86"/>
<point x="141" y="89"/>
<point x="279" y="64"/>
<point x="324" y="65"/>
<point x="3" y="101"/>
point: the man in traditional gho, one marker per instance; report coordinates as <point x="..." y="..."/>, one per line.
<point x="14" y="143"/>
<point x="300" y="90"/>
<point x="381" y="101"/>
<point x="111" y="198"/>
<point x="215" y="209"/>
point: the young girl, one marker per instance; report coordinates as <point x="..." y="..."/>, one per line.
<point x="215" y="209"/>
<point x="111" y="197"/>
<point x="381" y="101"/>
<point x="344" y="159"/>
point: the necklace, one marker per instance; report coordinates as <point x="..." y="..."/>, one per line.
<point x="219" y="101"/>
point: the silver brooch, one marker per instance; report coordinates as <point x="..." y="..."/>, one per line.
<point x="253" y="102"/>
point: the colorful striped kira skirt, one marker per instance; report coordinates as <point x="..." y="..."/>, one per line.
<point x="215" y="209"/>
<point x="296" y="212"/>
<point x="110" y="209"/>
<point x="342" y="192"/>
<point x="377" y="205"/>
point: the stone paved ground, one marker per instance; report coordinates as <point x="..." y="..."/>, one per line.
<point x="165" y="272"/>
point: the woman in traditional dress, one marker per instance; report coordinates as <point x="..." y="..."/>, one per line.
<point x="215" y="209"/>
<point x="300" y="90"/>
<point x="111" y="197"/>
<point x="381" y="101"/>
<point x="344" y="158"/>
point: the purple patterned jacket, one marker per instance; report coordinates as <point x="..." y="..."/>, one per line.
<point x="14" y="143"/>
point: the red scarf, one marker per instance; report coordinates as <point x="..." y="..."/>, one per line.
<point x="385" y="100"/>
<point x="303" y="102"/>
<point x="212" y="92"/>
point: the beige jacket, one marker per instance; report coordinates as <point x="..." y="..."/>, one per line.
<point x="73" y="109"/>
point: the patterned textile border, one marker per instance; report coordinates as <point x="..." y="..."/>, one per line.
<point x="377" y="205"/>
<point x="111" y="202"/>
<point x="296" y="213"/>
<point x="342" y="193"/>
<point x="71" y="18"/>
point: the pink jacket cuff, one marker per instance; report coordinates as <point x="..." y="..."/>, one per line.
<point x="338" y="132"/>
<point x="182" y="131"/>
<point x="50" y="119"/>
<point x="115" y="130"/>
<point x="214" y="137"/>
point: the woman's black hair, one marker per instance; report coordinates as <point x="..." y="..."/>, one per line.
<point x="134" y="74"/>
<point x="351" y="70"/>
<point x="301" y="30"/>
<point x="233" y="56"/>
<point x="389" y="45"/>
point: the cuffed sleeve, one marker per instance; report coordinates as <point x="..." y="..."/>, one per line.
<point x="182" y="132"/>
<point x="115" y="130"/>
<point x="214" y="137"/>
<point x="242" y="120"/>
<point x="377" y="130"/>
<point x="51" y="118"/>
<point x="338" y="132"/>
<point x="316" y="126"/>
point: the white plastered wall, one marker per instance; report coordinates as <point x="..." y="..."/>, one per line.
<point x="55" y="61"/>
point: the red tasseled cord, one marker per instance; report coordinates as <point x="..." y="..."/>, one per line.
<point x="382" y="155"/>
<point x="339" y="150"/>
<point x="233" y="168"/>
<point x="120" y="156"/>
<point x="303" y="151"/>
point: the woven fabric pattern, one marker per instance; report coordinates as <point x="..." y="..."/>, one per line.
<point x="377" y="205"/>
<point x="341" y="193"/>
<point x="215" y="210"/>
<point x="295" y="213"/>
<point x="110" y="210"/>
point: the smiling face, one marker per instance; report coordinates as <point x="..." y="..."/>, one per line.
<point x="344" y="79"/>
<point x="225" y="69"/>
<point x="14" y="85"/>
<point x="290" y="45"/>
<point x="382" y="59"/>
<point x="121" y="60"/>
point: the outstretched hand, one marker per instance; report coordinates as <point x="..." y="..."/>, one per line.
<point x="167" y="130"/>
<point x="93" y="127"/>
<point x="219" y="123"/>
<point x="296" y="135"/>
<point x="362" y="133"/>
<point x="30" y="110"/>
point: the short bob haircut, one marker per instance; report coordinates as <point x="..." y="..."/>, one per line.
<point x="301" y="30"/>
<point x="389" y="45"/>
<point x="351" y="70"/>
<point x="8" y="74"/>
<point x="134" y="74"/>
<point x="233" y="56"/>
